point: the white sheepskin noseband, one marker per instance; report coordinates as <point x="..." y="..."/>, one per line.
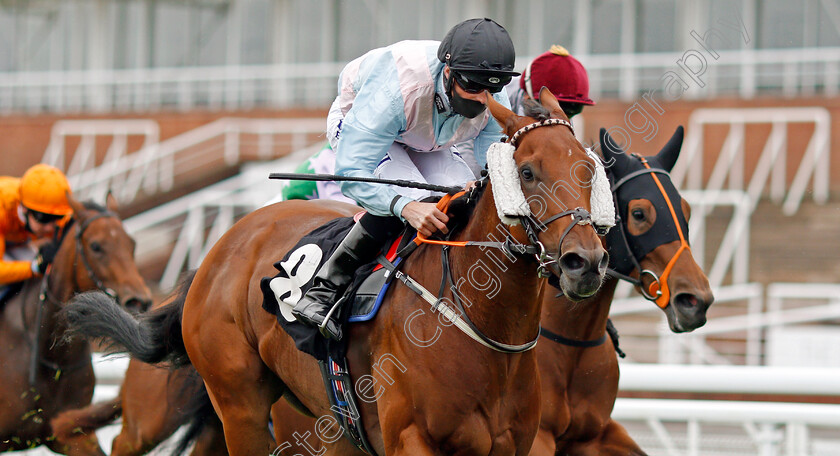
<point x="511" y="203"/>
<point x="507" y="190"/>
<point x="601" y="198"/>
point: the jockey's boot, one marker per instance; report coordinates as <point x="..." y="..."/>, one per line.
<point x="357" y="248"/>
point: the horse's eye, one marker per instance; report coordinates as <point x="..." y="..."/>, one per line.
<point x="96" y="247"/>
<point x="638" y="215"/>
<point x="527" y="174"/>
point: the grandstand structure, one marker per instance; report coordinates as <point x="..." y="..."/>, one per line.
<point x="183" y="108"/>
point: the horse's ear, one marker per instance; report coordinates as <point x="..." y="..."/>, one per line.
<point x="111" y="202"/>
<point x="78" y="208"/>
<point x="549" y="101"/>
<point x="669" y="154"/>
<point x="613" y="154"/>
<point x="506" y="118"/>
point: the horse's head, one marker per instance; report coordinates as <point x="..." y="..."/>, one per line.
<point x="544" y="179"/>
<point x="97" y="253"/>
<point x="652" y="238"/>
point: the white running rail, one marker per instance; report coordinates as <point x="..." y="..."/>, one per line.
<point x="87" y="132"/>
<point x="751" y="314"/>
<point x="686" y="427"/>
<point x="730" y="428"/>
<point x="157" y="165"/>
<point x="772" y="162"/>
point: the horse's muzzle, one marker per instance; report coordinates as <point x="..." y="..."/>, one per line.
<point x="582" y="272"/>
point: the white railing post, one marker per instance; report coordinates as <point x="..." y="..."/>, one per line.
<point x="232" y="133"/>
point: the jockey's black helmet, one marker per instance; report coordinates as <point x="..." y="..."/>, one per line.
<point x="481" y="50"/>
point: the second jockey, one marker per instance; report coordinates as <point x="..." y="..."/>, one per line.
<point x="399" y="112"/>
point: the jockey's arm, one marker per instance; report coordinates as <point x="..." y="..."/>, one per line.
<point x="13" y="271"/>
<point x="368" y="130"/>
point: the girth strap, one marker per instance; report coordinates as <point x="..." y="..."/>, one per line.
<point x="571" y="342"/>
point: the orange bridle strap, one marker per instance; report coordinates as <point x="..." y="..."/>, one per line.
<point x="654" y="289"/>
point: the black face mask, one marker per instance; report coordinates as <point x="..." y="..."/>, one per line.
<point x="467" y="108"/>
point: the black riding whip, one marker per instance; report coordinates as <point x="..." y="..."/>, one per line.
<point x="373" y="180"/>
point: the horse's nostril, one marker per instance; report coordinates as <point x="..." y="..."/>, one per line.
<point x="138" y="304"/>
<point x="571" y="262"/>
<point x="605" y="261"/>
<point x="687" y="300"/>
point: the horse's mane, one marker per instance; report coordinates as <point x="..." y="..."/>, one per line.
<point x="460" y="209"/>
<point x="94" y="206"/>
<point x="533" y="109"/>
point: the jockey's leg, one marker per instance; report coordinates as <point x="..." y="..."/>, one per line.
<point x="361" y="245"/>
<point x="399" y="164"/>
<point x="444" y="167"/>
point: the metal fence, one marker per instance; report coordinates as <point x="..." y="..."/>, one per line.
<point x="742" y="73"/>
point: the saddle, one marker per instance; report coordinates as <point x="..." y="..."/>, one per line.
<point x="298" y="267"/>
<point x="365" y="296"/>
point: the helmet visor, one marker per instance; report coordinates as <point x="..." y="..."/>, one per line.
<point x="42" y="217"/>
<point x="472" y="86"/>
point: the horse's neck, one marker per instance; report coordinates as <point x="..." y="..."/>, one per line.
<point x="503" y="296"/>
<point x="584" y="320"/>
<point x="60" y="288"/>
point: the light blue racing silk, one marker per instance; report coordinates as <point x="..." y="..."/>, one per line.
<point x="396" y="94"/>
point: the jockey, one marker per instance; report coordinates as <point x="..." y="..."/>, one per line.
<point x="556" y="69"/>
<point x="561" y="73"/>
<point x="399" y="112"/>
<point x="31" y="208"/>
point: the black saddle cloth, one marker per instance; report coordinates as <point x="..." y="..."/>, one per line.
<point x="296" y="269"/>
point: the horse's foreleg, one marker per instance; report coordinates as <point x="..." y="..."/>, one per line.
<point x="544" y="444"/>
<point x="244" y="415"/>
<point x="409" y="442"/>
<point x="613" y="441"/>
<point x="78" y="445"/>
<point x="211" y="441"/>
<point x="74" y="430"/>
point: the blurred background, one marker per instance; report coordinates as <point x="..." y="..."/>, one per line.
<point x="182" y="108"/>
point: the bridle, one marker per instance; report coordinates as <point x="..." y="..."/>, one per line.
<point x="658" y="290"/>
<point x="580" y="216"/>
<point x="80" y="251"/>
<point x="535" y="248"/>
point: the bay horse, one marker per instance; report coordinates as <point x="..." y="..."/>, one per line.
<point x="43" y="375"/>
<point x="451" y="396"/>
